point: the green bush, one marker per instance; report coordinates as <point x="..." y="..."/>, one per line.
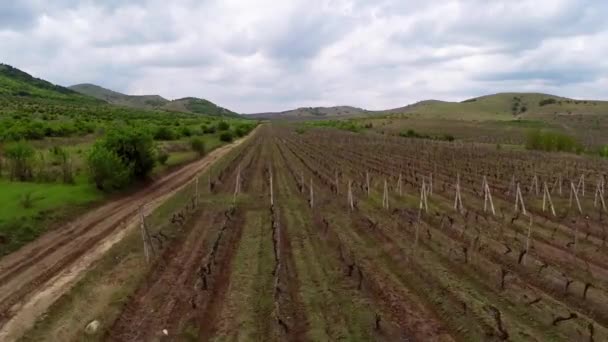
<point x="108" y="171"/>
<point x="198" y="145"/>
<point x="223" y="126"/>
<point x="162" y="157"/>
<point x="546" y="102"/>
<point x="20" y="156"/>
<point x="226" y="137"/>
<point x="135" y="147"/>
<point x="604" y="151"/>
<point x="164" y="133"/>
<point x="551" y="142"/>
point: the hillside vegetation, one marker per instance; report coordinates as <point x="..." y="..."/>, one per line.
<point x="154" y="102"/>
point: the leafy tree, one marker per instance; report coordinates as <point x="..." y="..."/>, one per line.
<point x="135" y="147"/>
<point x="20" y="156"/>
<point x="198" y="145"/>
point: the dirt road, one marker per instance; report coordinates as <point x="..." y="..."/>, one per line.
<point x="32" y="278"/>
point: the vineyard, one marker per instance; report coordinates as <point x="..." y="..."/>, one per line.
<point x="331" y="235"/>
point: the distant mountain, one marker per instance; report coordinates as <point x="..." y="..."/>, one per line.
<point x="313" y="113"/>
<point x="19" y="83"/>
<point x="137" y="101"/>
<point x="188" y="104"/>
<point x="496" y="106"/>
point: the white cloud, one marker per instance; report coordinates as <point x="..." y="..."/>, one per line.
<point x="265" y="55"/>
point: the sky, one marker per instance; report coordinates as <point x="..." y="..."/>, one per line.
<point x="271" y="55"/>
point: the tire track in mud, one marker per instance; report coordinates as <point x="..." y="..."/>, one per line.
<point x="29" y="269"/>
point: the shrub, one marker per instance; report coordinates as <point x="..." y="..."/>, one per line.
<point x="198" y="145"/>
<point x="551" y="141"/>
<point x="162" y="157"/>
<point x="208" y="129"/>
<point x="20" y="156"/>
<point x="135" y="147"/>
<point x="223" y="126"/>
<point x="604" y="152"/>
<point x="545" y="102"/>
<point x="164" y="133"/>
<point x="226" y="137"/>
<point x="108" y="170"/>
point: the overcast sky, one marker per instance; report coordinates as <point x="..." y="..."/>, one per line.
<point x="254" y="56"/>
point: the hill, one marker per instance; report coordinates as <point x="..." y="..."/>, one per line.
<point x="14" y="82"/>
<point x="188" y="104"/>
<point x="502" y="106"/>
<point x="113" y="97"/>
<point x="313" y="113"/>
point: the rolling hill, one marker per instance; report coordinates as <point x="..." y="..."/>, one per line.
<point x="313" y="113"/>
<point x="188" y="104"/>
<point x="14" y="82"/>
<point x="502" y="106"/>
<point x="137" y="101"/>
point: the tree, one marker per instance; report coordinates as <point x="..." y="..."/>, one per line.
<point x="198" y="145"/>
<point x="164" y="133"/>
<point x="108" y="171"/>
<point x="135" y="147"/>
<point x="20" y="156"/>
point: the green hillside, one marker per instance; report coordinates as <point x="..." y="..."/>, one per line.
<point x="503" y="106"/>
<point x="136" y="101"/>
<point x="188" y="104"/>
<point x="14" y="82"/>
<point x="198" y="106"/>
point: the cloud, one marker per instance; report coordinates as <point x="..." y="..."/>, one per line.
<point x="265" y="55"/>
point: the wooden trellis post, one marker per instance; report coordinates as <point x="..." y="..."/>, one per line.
<point x="301" y="182"/>
<point x="574" y="194"/>
<point x="237" y="186"/>
<point x="196" y="191"/>
<point x="535" y="184"/>
<point x="528" y="238"/>
<point x="367" y="182"/>
<point x="547" y="199"/>
<point x="599" y="194"/>
<point x="145" y="236"/>
<point x="385" y="196"/>
<point x="457" y="198"/>
<point x="271" y="187"/>
<point x="519" y="201"/>
<point x="581" y="182"/>
<point x="430" y="192"/>
<point x="560" y="184"/>
<point x="350" y="196"/>
<point x="487" y="197"/>
<point x="399" y="185"/>
<point x="312" y="195"/>
<point x="423" y="198"/>
<point x="337" y="183"/>
<point x="511" y="184"/>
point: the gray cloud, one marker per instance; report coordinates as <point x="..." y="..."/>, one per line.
<point x="266" y="55"/>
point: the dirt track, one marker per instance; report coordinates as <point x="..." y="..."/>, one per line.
<point x="40" y="272"/>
